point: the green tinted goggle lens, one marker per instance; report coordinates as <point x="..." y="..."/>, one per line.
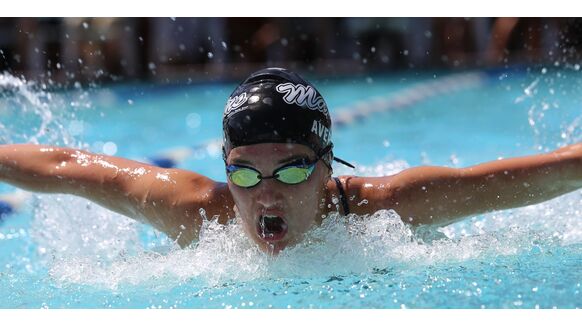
<point x="293" y="175"/>
<point x="247" y="177"/>
<point x="244" y="177"/>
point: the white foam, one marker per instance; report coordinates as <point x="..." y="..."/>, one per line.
<point x="108" y="254"/>
<point x="80" y="242"/>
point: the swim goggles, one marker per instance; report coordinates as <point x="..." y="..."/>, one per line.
<point x="294" y="173"/>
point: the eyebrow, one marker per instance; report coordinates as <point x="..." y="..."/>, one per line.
<point x="293" y="158"/>
<point x="241" y="161"/>
<point x="284" y="160"/>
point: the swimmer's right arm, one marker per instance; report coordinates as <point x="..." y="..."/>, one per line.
<point x="167" y="199"/>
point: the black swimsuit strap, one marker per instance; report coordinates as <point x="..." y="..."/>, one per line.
<point x="342" y="196"/>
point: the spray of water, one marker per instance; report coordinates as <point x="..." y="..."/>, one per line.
<point x="31" y="114"/>
<point x="340" y="246"/>
<point x="82" y="243"/>
<point x="543" y="95"/>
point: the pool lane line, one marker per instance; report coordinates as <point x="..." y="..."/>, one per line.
<point x="10" y="203"/>
<point x="352" y="114"/>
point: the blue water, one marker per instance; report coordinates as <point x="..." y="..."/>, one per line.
<point x="64" y="252"/>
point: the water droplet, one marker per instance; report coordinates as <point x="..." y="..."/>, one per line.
<point x="363" y="202"/>
<point x="202" y="213"/>
<point x="193" y="120"/>
<point x="76" y="127"/>
<point x="109" y="148"/>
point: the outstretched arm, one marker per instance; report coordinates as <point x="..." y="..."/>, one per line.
<point x="168" y="199"/>
<point x="440" y="195"/>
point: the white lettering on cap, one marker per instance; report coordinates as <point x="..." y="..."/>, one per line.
<point x="321" y="131"/>
<point x="235" y="102"/>
<point x="304" y="96"/>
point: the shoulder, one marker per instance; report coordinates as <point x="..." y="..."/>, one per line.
<point x="177" y="201"/>
<point x="365" y="195"/>
<point x="195" y="191"/>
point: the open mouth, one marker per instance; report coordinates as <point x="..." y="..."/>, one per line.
<point x="271" y="228"/>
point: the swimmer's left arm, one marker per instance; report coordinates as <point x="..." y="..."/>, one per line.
<point x="441" y="195"/>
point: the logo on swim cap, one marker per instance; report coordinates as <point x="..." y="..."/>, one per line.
<point x="322" y="131"/>
<point x="304" y="96"/>
<point x="234" y="103"/>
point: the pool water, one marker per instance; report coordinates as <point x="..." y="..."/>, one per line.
<point x="60" y="251"/>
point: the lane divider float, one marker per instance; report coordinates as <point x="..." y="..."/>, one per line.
<point x="10" y="203"/>
<point x="346" y="116"/>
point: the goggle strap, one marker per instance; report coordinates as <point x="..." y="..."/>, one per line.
<point x="343" y="162"/>
<point x="339" y="160"/>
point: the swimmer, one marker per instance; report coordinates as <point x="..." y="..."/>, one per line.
<point x="278" y="154"/>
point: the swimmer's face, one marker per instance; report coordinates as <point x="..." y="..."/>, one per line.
<point x="275" y="214"/>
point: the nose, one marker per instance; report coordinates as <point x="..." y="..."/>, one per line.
<point x="268" y="193"/>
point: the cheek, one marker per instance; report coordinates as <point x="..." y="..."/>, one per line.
<point x="241" y="198"/>
<point x="307" y="198"/>
<point x="242" y="202"/>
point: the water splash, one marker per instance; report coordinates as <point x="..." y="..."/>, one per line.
<point x="340" y="246"/>
<point x="82" y="243"/>
<point x="543" y="96"/>
<point x="36" y="115"/>
<point x="71" y="227"/>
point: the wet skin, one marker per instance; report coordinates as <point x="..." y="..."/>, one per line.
<point x="301" y="205"/>
<point x="171" y="199"/>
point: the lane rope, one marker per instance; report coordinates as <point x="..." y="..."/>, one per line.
<point x="348" y="115"/>
<point x="11" y="203"/>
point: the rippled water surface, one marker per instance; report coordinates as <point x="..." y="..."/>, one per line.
<point x="60" y="251"/>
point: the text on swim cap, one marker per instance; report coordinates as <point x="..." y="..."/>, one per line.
<point x="235" y="102"/>
<point x="321" y="130"/>
<point x="304" y="96"/>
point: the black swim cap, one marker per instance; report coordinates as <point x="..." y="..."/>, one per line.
<point x="279" y="106"/>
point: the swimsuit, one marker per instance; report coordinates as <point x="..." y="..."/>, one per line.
<point x="342" y="196"/>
